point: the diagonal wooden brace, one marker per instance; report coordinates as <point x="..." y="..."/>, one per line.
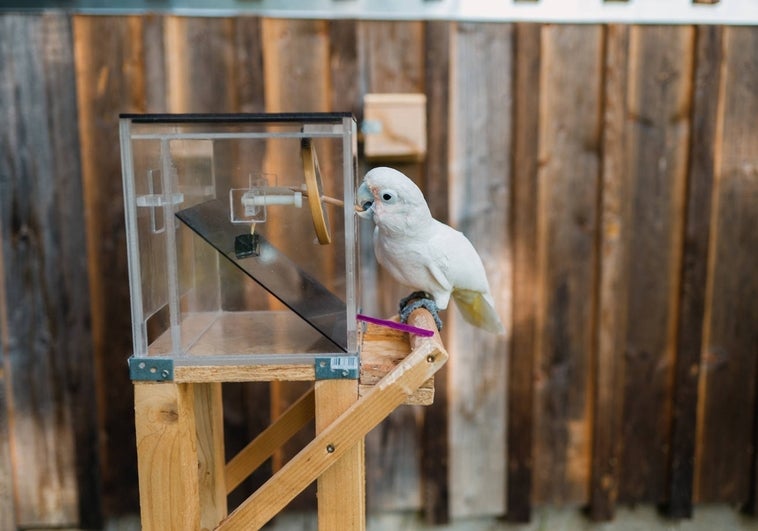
<point x="426" y="358"/>
<point x="264" y="445"/>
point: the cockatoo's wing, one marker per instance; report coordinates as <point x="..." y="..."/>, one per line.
<point x="478" y="309"/>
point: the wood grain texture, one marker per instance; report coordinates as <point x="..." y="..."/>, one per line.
<point x="480" y="188"/>
<point x="46" y="341"/>
<point x="613" y="244"/>
<point x="114" y="62"/>
<point x="168" y="459"/>
<point x="211" y="461"/>
<point x="705" y="105"/>
<point x="659" y="91"/>
<point x="569" y="173"/>
<point x="435" y="449"/>
<point x="524" y="210"/>
<point x="730" y="344"/>
<point x="342" y="487"/>
<point x="391" y="59"/>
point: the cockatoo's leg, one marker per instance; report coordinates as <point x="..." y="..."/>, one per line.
<point x="416" y="300"/>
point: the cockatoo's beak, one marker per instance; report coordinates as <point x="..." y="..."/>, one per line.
<point x="365" y="199"/>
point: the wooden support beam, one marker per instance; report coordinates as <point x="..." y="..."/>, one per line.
<point x="343" y="434"/>
<point x="167" y="456"/>
<point x="264" y="445"/>
<point x="209" y="426"/>
<point x="342" y="487"/>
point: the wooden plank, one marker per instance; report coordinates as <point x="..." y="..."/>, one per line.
<point x="659" y="100"/>
<point x="46" y="344"/>
<point x="569" y="146"/>
<point x="521" y="372"/>
<point x="612" y="282"/>
<point x="167" y="456"/>
<point x="391" y="59"/>
<point x="342" y="487"/>
<point x="705" y="105"/>
<point x="209" y="426"/>
<point x="340" y="437"/>
<point x="480" y="190"/>
<point x="116" y="66"/>
<point x="435" y="449"/>
<point x="728" y="378"/>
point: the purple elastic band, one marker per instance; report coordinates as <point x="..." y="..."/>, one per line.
<point x="396" y="326"/>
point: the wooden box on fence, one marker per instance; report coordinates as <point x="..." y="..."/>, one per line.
<point x="242" y="245"/>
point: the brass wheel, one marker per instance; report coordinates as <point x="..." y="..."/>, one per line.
<point x="315" y="190"/>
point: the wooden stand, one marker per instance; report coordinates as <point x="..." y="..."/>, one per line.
<point x="184" y="480"/>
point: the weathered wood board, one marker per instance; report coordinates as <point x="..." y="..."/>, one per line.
<point x="730" y="343"/>
<point x="479" y="195"/>
<point x="523" y="230"/>
<point x="569" y="174"/>
<point x="705" y="105"/>
<point x="612" y="278"/>
<point x="659" y="90"/>
<point x="46" y="345"/>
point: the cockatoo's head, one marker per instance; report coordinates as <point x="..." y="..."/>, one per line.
<point x="391" y="199"/>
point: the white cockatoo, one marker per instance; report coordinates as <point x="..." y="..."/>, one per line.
<point x="423" y="253"/>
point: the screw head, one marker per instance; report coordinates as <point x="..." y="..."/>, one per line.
<point x="330" y="448"/>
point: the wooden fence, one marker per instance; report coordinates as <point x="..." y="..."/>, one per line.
<point x="608" y="175"/>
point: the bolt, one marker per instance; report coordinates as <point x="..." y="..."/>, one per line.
<point x="330" y="448"/>
<point x="430" y="358"/>
<point x="164" y="373"/>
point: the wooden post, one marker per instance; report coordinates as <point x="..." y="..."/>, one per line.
<point x="167" y="456"/>
<point x="341" y="488"/>
<point x="209" y="426"/>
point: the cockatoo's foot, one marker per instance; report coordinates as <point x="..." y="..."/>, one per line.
<point x="416" y="300"/>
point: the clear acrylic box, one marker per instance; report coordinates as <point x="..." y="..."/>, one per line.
<point x="242" y="242"/>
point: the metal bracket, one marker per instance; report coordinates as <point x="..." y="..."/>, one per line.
<point x="337" y="367"/>
<point x="151" y="369"/>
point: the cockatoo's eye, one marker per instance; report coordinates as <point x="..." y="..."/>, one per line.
<point x="388" y="196"/>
